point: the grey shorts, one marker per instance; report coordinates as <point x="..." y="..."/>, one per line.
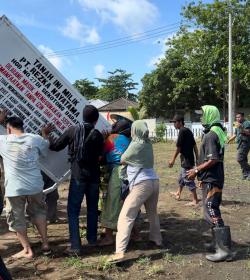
<point x="183" y="181"/>
<point x="18" y="206"/>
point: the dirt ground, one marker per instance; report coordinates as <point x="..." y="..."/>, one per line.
<point x="183" y="231"/>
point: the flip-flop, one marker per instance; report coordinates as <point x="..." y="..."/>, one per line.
<point x="116" y="258"/>
<point x="46" y="252"/>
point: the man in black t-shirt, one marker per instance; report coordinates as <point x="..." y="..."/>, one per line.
<point x="85" y="147"/>
<point x="186" y="147"/>
<point x="210" y="173"/>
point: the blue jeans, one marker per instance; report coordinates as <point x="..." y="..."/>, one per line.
<point x="77" y="190"/>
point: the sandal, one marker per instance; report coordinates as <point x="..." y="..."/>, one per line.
<point x="117" y="257"/>
<point x="46" y="251"/>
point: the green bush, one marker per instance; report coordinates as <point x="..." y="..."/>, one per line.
<point x="160" y="131"/>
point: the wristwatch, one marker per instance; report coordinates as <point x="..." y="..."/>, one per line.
<point x="196" y="171"/>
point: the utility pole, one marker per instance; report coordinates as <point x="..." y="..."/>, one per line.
<point x="230" y="93"/>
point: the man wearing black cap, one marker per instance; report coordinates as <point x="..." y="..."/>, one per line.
<point x="85" y="145"/>
<point x="185" y="146"/>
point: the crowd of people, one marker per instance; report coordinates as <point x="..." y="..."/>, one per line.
<point x="128" y="179"/>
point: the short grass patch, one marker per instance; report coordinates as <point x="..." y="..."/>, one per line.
<point x="155" y="270"/>
<point x="76" y="263"/>
<point x="168" y="257"/>
<point x="143" y="261"/>
<point x="104" y="265"/>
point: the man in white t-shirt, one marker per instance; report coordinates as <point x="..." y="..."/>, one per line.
<point x="23" y="182"/>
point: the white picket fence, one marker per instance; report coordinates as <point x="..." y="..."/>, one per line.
<point x="172" y="133"/>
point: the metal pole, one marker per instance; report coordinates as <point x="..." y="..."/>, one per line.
<point x="230" y="93"/>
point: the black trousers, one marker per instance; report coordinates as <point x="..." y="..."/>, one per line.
<point x="4" y="274"/>
<point x="242" y="153"/>
<point x="211" y="198"/>
<point x="51" y="199"/>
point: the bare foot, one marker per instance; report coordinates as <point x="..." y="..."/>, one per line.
<point x="192" y="203"/>
<point x="28" y="254"/>
<point x="176" y="195"/>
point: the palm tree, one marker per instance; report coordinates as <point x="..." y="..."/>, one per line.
<point x="137" y="114"/>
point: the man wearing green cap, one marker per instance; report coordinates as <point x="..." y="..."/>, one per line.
<point x="210" y="172"/>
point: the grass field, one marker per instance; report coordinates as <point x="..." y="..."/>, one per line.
<point x="183" y="230"/>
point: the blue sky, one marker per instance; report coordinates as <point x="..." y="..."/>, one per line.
<point x="54" y="25"/>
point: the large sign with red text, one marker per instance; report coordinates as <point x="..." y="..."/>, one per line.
<point x="33" y="89"/>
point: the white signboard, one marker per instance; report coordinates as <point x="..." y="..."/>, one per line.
<point x="33" y="89"/>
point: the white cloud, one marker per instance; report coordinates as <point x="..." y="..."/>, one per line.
<point x="75" y="30"/>
<point x="56" y="61"/>
<point x="132" y="16"/>
<point x="93" y="36"/>
<point x="99" y="71"/>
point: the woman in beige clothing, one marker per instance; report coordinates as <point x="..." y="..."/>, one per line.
<point x="144" y="189"/>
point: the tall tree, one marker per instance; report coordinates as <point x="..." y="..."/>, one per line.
<point x="156" y="92"/>
<point x="118" y="84"/>
<point x="213" y="20"/>
<point x="196" y="61"/>
<point x="86" y="88"/>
